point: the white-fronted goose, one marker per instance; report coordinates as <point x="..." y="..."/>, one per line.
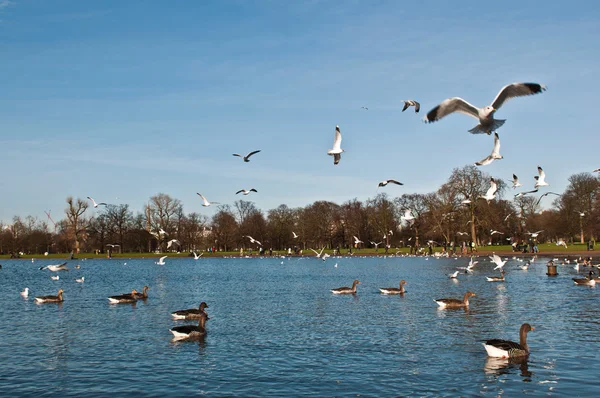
<point x="394" y="290"/>
<point x="346" y="290"/>
<point x="506" y="349"/>
<point x="190" y="331"/>
<point x="124" y="298"/>
<point x="455" y="303"/>
<point x="587" y="281"/>
<point x="192" y="313"/>
<point x="51" y="299"/>
<point x="143" y="295"/>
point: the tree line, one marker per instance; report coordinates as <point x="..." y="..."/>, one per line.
<point x="441" y="217"/>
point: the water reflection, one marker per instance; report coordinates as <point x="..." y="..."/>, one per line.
<point x="501" y="366"/>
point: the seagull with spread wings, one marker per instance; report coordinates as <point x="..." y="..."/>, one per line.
<point x="498" y="261"/>
<point x="252" y="240"/>
<point x="246" y="191"/>
<point x="487" y="123"/>
<point x="494" y="155"/>
<point x="516" y="182"/>
<point x="491" y="192"/>
<point x="540" y="179"/>
<point x="247" y="157"/>
<point x="385" y="182"/>
<point x="206" y="203"/>
<point x="96" y="204"/>
<point x="337" y="150"/>
<point x="408" y="103"/>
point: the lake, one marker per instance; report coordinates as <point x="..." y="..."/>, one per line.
<point x="275" y="329"/>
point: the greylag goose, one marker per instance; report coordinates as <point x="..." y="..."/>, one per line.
<point x="124" y="298"/>
<point x="394" y="290"/>
<point x="192" y="313"/>
<point x="190" y="331"/>
<point x="587" y="281"/>
<point x="455" y="303"/>
<point x="496" y="278"/>
<point x="346" y="290"/>
<point x="143" y="295"/>
<point x="507" y="349"/>
<point x="51" y="299"/>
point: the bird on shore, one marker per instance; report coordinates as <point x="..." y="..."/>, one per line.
<point x="491" y="192"/>
<point x="246" y="191"/>
<point x="337" y="150"/>
<point x="540" y="178"/>
<point x="56" y="267"/>
<point x="295" y="235"/>
<point x="394" y="290"/>
<point x="453" y="275"/>
<point x="385" y="182"/>
<point x="455" y="303"/>
<point x="51" y="299"/>
<point x="515" y="182"/>
<point x="346" y="290"/>
<point x="498" y="348"/>
<point x="487" y="123"/>
<point x="161" y="261"/>
<point x="205" y="202"/>
<point x="247" y="157"/>
<point x="192" y="313"/>
<point x="494" y="155"/>
<point x="408" y="103"/>
<point x="96" y="204"/>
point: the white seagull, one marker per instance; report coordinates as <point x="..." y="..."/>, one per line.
<point x="525" y="266"/>
<point x="337" y="150"/>
<point x="206" y="202"/>
<point x="518" y="195"/>
<point x="246" y="191"/>
<point x="364" y="107"/>
<point x="170" y="243"/>
<point x="498" y="261"/>
<point x="55" y="278"/>
<point x="247" y="157"/>
<point x="197" y="256"/>
<point x="595" y="171"/>
<point x="541" y="178"/>
<point x="96" y="204"/>
<point x="408" y="217"/>
<point x="453" y="275"/>
<point x="408" y="103"/>
<point x="516" y="182"/>
<point x="56" y="267"/>
<point x="494" y="155"/>
<point x="80" y="280"/>
<point x="161" y="261"/>
<point x="494" y="232"/>
<point x="384" y="183"/>
<point x="375" y="244"/>
<point x="318" y="254"/>
<point x="252" y="240"/>
<point x="462" y="233"/>
<point x="487" y="123"/>
<point x="295" y="235"/>
<point x="466" y="200"/>
<point x="356" y="240"/>
<point x="491" y="192"/>
<point x="471" y="265"/>
<point x="535" y="234"/>
<point x="25" y="292"/>
<point x="581" y="213"/>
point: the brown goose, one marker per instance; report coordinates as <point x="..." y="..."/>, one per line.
<point x="455" y="303"/>
<point x="506" y="349"/>
<point x="124" y="298"/>
<point x="192" y="313"/>
<point x="346" y="290"/>
<point x="496" y="278"/>
<point x="51" y="299"/>
<point x="587" y="281"/>
<point x="190" y="331"/>
<point x="394" y="290"/>
<point x="143" y="295"/>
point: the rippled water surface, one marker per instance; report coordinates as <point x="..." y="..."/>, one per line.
<point x="275" y="329"/>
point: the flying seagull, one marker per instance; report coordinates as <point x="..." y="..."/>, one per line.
<point x="252" y="240"/>
<point x="407" y="216"/>
<point x="487" y="123"/>
<point x="581" y="213"/>
<point x="246" y="192"/>
<point x="206" y="202"/>
<point x="295" y="235"/>
<point x="466" y="200"/>
<point x="161" y="261"/>
<point x="541" y="178"/>
<point x="247" y="157"/>
<point x="494" y="155"/>
<point x="96" y="204"/>
<point x="498" y="261"/>
<point x="56" y="267"/>
<point x="595" y="171"/>
<point x="546" y="194"/>
<point x="337" y="150"/>
<point x="518" y="195"/>
<point x="384" y="183"/>
<point x="462" y="233"/>
<point x="516" y="182"/>
<point x="364" y="107"/>
<point x="170" y="243"/>
<point x="491" y="192"/>
<point x="535" y="234"/>
<point x="318" y="254"/>
<point x="375" y="244"/>
<point x="197" y="256"/>
<point x="356" y="240"/>
<point x="408" y="103"/>
<point x="494" y="232"/>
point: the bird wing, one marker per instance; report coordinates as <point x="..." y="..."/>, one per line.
<point x="93" y="201"/>
<point x="162" y="258"/>
<point x="496" y="149"/>
<point x="237" y="154"/>
<point x="252" y="153"/>
<point x="395" y="182"/>
<point x="493" y="188"/>
<point x="504" y="344"/>
<point x="417" y="106"/>
<point x="541" y="174"/>
<point x="203" y="199"/>
<point x="336" y="158"/>
<point x="253" y="190"/>
<point x="485" y="161"/>
<point x="240" y="191"/>
<point x="406" y="105"/>
<point x="516" y="90"/>
<point x="449" y="106"/>
<point x="337" y="140"/>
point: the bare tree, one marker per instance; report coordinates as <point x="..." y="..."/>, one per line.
<point x="75" y="221"/>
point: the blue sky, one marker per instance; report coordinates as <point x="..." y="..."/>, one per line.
<point x="124" y="100"/>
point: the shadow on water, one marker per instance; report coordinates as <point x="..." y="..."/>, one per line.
<point x="504" y="366"/>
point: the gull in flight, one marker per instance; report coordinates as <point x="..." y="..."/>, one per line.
<point x="384" y="183"/>
<point x="170" y="243"/>
<point x="561" y="242"/>
<point x="535" y="234"/>
<point x="491" y="192"/>
<point x="595" y="171"/>
<point x="247" y="157"/>
<point x="337" y="150"/>
<point x="581" y="213"/>
<point x="96" y="204"/>
<point x="356" y="240"/>
<point x="375" y="244"/>
<point x="318" y="253"/>
<point x="494" y="155"/>
<point x="541" y="178"/>
<point x="462" y="233"/>
<point x="525" y="266"/>
<point x="487" y="123"/>
<point x="518" y="195"/>
<point x="364" y="107"/>
<point x="112" y="246"/>
<point x="546" y="194"/>
<point x="295" y="235"/>
<point x="408" y="217"/>
<point x="453" y="275"/>
<point x="56" y="267"/>
<point x="408" y="103"/>
<point x="466" y="200"/>
<point x="197" y="256"/>
<point x="471" y="265"/>
<point x="324" y="257"/>
<point x="206" y="202"/>
<point x="494" y="232"/>
<point x="516" y="182"/>
<point x="252" y="240"/>
<point x="246" y="192"/>
<point x="506" y="218"/>
<point x="161" y="261"/>
<point x="498" y="261"/>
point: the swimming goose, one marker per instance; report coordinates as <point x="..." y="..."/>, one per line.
<point x="496" y="278"/>
<point x="192" y="313"/>
<point x="394" y="290"/>
<point x="346" y="290"/>
<point x="25" y="292"/>
<point x="143" y="295"/>
<point x="190" y="331"/>
<point x="507" y="349"/>
<point x="455" y="303"/>
<point x="51" y="299"/>
<point x="587" y="281"/>
<point x="124" y="298"/>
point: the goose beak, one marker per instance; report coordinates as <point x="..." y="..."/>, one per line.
<point x="532" y="328"/>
